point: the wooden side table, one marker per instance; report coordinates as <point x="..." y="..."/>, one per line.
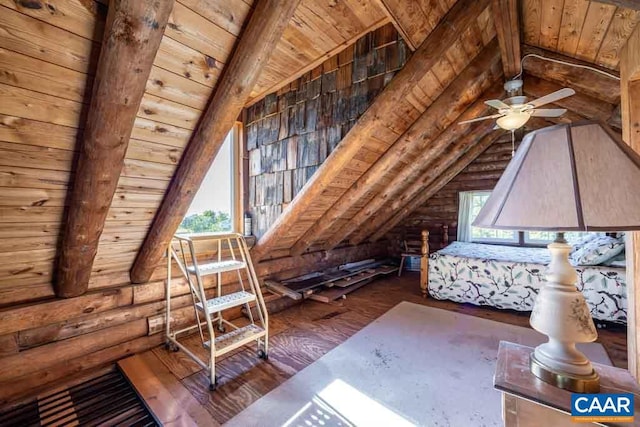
<point x="529" y="402"/>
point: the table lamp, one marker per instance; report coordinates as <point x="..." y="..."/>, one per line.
<point x="570" y="177"/>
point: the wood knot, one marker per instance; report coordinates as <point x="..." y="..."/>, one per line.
<point x="123" y="29"/>
<point x="24" y="270"/>
<point x="30" y="4"/>
<point x="211" y="62"/>
<point x="89" y="310"/>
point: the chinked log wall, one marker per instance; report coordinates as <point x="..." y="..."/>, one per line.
<point x="442" y="209"/>
<point x="291" y="132"/>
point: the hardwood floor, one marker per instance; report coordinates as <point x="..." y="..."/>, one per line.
<point x="299" y="336"/>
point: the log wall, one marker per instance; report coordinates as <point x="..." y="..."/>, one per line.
<point x="291" y="132"/>
<point x="442" y="209"/>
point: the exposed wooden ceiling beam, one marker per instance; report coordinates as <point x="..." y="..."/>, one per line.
<point x="630" y="89"/>
<point x="629" y="4"/>
<point x="421" y="190"/>
<point x="428" y="54"/>
<point x="436" y="130"/>
<point x="630" y="105"/>
<point x="132" y="37"/>
<point x="586" y="81"/>
<point x="505" y="16"/>
<point x="579" y="103"/>
<point x="418" y="138"/>
<point x="256" y="44"/>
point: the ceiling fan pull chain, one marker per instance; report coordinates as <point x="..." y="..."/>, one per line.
<point x="513" y="143"/>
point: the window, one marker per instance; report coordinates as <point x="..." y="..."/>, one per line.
<point x="215" y="207"/>
<point x="477" y="234"/>
<point x="539" y="237"/>
<point x="473" y="201"/>
<point x="546" y="237"/>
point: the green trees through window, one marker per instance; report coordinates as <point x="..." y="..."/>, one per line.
<point x="206" y="222"/>
<point x="478" y="199"/>
<point x="477" y="234"/>
<point x="212" y="208"/>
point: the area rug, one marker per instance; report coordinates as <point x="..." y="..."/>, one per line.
<point x="414" y="365"/>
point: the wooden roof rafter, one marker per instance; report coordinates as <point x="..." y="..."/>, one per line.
<point x="445" y="169"/>
<point x="585" y="81"/>
<point x="132" y="37"/>
<point x="581" y="107"/>
<point x="581" y="104"/>
<point x="266" y="25"/>
<point x="411" y="143"/>
<point x="432" y="132"/>
<point x="376" y="119"/>
<point x="507" y="22"/>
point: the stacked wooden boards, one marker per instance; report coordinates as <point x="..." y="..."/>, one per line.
<point x="329" y="285"/>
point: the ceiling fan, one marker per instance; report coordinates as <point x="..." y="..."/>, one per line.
<point x="514" y="112"/>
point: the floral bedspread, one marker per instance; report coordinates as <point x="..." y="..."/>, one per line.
<point x="510" y="278"/>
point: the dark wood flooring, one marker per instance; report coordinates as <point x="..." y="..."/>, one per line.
<point x="299" y="336"/>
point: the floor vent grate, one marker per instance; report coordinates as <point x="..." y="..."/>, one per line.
<point x="107" y="400"/>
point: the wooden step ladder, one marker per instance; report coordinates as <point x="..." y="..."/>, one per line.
<point x="232" y="254"/>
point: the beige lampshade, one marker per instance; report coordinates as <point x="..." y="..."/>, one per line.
<point x="569" y="177"/>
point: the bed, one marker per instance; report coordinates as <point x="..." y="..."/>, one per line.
<point x="509" y="277"/>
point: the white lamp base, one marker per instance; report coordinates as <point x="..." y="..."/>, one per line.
<point x="561" y="313"/>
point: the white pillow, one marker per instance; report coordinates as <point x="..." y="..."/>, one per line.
<point x="598" y="250"/>
<point x="579" y="242"/>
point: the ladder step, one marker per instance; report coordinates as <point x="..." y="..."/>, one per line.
<point x="236" y="338"/>
<point x="224" y="302"/>
<point x="218" y="267"/>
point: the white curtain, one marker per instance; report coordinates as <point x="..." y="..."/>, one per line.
<point x="464" y="220"/>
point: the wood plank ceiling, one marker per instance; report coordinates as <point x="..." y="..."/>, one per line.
<point x="48" y="54"/>
<point x="592" y="31"/>
<point x="356" y="206"/>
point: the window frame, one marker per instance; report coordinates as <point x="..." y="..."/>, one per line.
<point x="237" y="173"/>
<point x="511" y="242"/>
<point x="521" y="236"/>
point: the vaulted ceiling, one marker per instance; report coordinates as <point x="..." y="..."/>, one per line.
<point x="407" y="174"/>
<point x="407" y="141"/>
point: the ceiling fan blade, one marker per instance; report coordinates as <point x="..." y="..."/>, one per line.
<point x="477" y="119"/>
<point x="548" y="112"/>
<point x="496" y="103"/>
<point x="552" y="97"/>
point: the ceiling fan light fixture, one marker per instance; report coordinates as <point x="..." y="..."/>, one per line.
<point x="513" y="121"/>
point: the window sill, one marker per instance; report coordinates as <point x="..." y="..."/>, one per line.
<point x="514" y="244"/>
<point x="251" y="240"/>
